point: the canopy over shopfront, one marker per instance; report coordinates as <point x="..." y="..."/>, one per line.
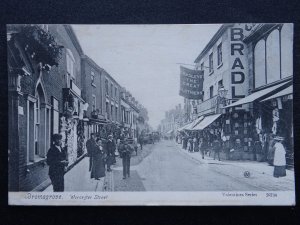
<point x="206" y="122"/>
<point x="183" y="127"/>
<point x="170" y="132"/>
<point x="257" y="95"/>
<point x="287" y="91"/>
<point x="191" y="125"/>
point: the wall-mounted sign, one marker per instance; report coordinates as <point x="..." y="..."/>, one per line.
<point x="191" y="83"/>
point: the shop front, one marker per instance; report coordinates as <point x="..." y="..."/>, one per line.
<point x="72" y="125"/>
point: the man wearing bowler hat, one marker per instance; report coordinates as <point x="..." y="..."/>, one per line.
<point x="57" y="161"/>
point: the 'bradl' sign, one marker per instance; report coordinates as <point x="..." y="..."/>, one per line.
<point x="238" y="62"/>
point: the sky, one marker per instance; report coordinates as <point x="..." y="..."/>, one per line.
<point x="143" y="58"/>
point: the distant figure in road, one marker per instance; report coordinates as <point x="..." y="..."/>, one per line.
<point x="135" y="146"/>
<point x="141" y="140"/>
<point x="90" y="146"/>
<point x="190" y="144"/>
<point x="279" y="158"/>
<point x="125" y="153"/>
<point x="195" y="144"/>
<point x="202" y="147"/>
<point x="110" y="152"/>
<point x="98" y="162"/>
<point x="217" y="148"/>
<point x="57" y="161"/>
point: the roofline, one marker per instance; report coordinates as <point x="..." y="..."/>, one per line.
<point x="91" y="61"/>
<point x="74" y="38"/>
<point x="213" y="40"/>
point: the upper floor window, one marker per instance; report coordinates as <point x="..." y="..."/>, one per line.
<point x="220" y="84"/>
<point x="94" y="103"/>
<point x="219" y="50"/>
<point x="70" y="64"/>
<point x="273" y="56"/>
<point x="111" y="90"/>
<point x="106" y="86"/>
<point x="211" y="63"/>
<point x="116" y="92"/>
<point x="93" y="78"/>
<point x="211" y="91"/>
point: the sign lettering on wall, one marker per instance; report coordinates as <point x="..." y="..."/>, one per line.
<point x="191" y="83"/>
<point x="238" y="62"/>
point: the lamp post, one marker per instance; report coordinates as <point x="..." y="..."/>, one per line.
<point x="221" y="99"/>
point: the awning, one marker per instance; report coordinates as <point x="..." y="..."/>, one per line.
<point x="287" y="91"/>
<point x="194" y="123"/>
<point x="170" y="132"/>
<point x="206" y="121"/>
<point x="256" y="95"/>
<point x="183" y="127"/>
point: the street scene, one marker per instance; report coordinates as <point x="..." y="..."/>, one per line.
<point x="150" y="108"/>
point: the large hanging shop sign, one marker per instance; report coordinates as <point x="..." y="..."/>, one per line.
<point x="191" y="83"/>
<point x="238" y="62"/>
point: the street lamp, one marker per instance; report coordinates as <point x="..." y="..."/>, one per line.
<point x="222" y="92"/>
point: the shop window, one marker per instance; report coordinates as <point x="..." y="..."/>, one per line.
<point x="259" y="64"/>
<point x="219" y="50"/>
<point x="273" y="56"/>
<point x="107" y="110"/>
<point x="112" y="112"/>
<point x="211" y="63"/>
<point x="116" y="112"/>
<point x="287" y="50"/>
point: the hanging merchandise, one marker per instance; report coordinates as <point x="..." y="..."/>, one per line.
<point x="279" y="103"/>
<point x="258" y="125"/>
<point x="275" y="114"/>
<point x="274" y="128"/>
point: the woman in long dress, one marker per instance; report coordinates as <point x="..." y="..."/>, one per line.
<point x="279" y="158"/>
<point x="98" y="163"/>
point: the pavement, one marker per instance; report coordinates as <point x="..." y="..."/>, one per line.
<point x="78" y="178"/>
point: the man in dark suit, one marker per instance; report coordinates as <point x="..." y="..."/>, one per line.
<point x="110" y="152"/>
<point x="125" y="153"/>
<point x="57" y="161"/>
<point x="90" y="146"/>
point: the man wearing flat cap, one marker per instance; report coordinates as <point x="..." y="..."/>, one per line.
<point x="57" y="161"/>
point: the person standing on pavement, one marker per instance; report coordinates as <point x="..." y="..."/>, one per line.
<point x="217" y="148"/>
<point x="57" y="161"/>
<point x="279" y="158"/>
<point x="202" y="147"/>
<point x="110" y="152"/>
<point x="90" y="146"/>
<point x="98" y="162"/>
<point x="125" y="153"/>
